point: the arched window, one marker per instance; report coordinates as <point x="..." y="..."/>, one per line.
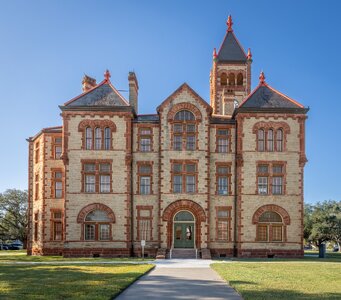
<point x="260" y="140"/>
<point x="279" y="140"/>
<point x="98" y="138"/>
<point x="184" y="131"/>
<point x="240" y="79"/>
<point x="270" y="227"/>
<point x="107" y="138"/>
<point x="88" y="138"/>
<point x="97" y="226"/>
<point x="223" y="79"/>
<point x="232" y="79"/>
<point x="270" y="143"/>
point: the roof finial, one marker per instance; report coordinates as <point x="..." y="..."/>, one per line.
<point x="229" y="23"/>
<point x="214" y="53"/>
<point x="107" y="75"/>
<point x="261" y="78"/>
<point x="249" y="54"/>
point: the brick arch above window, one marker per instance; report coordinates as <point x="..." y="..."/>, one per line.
<point x="271" y="125"/>
<point x="184" y="106"/>
<point x="95" y="206"/>
<point x="96" y="123"/>
<point x="271" y="207"/>
<point x="179" y="205"/>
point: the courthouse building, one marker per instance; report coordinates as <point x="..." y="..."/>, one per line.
<point x="193" y="179"/>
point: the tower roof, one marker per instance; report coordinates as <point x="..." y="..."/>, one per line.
<point x="103" y="94"/>
<point x="265" y="96"/>
<point x="230" y="49"/>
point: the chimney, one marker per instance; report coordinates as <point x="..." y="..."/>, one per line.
<point x="88" y="83"/>
<point x="133" y="90"/>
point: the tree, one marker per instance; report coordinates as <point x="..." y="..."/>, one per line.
<point x="13" y="215"/>
<point x="323" y="222"/>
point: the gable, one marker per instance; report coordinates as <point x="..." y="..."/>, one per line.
<point x="183" y="89"/>
<point x="265" y="96"/>
<point x="103" y="94"/>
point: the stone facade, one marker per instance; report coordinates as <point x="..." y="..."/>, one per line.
<point x="224" y="179"/>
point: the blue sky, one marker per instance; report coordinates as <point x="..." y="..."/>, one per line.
<point x="46" y="47"/>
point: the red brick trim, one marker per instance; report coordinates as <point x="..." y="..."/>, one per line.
<point x="271" y="207"/>
<point x="85" y="210"/>
<point x="177" y="206"/>
<point x="184" y="106"/>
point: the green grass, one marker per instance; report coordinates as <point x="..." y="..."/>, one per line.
<point x="67" y="282"/>
<point x="309" y="278"/>
<point x="21" y="256"/>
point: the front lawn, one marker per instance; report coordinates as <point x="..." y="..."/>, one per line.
<point x="21" y="256"/>
<point x="66" y="282"/>
<point x="311" y="279"/>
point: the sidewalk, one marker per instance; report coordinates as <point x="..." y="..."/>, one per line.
<point x="180" y="279"/>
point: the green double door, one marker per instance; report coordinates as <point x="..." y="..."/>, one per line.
<point x="183" y="235"/>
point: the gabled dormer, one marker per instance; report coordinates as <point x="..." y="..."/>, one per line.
<point x="230" y="80"/>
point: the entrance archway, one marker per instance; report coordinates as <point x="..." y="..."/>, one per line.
<point x="184" y="232"/>
<point x="191" y="207"/>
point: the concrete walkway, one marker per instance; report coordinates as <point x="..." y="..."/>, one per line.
<point x="180" y="279"/>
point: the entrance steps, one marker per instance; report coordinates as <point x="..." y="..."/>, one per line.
<point x="182" y="253"/>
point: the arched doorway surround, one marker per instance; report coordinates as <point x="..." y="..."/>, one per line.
<point x="184" y="205"/>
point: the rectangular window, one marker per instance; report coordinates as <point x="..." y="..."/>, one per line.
<point x="97" y="177"/>
<point x="144" y="185"/>
<point x="184" y="177"/>
<point x="270" y="178"/>
<point x="36" y="217"/>
<point x="104" y="232"/>
<point x="190" y="184"/>
<point x="105" y="183"/>
<point x="90" y="232"/>
<point x="222" y="185"/>
<point x="277" y="184"/>
<point x="90" y="183"/>
<point x="57" y="148"/>
<point x="145" y="179"/>
<point x="58" y="189"/>
<point x="37" y="152"/>
<point x="262" y="233"/>
<point x="222" y="141"/>
<point x="57" y="152"/>
<point x="262" y="185"/>
<point x="223" y="174"/>
<point x="144" y="229"/>
<point x="190" y="143"/>
<point x="57" y="230"/>
<point x="276" y="233"/>
<point x="36" y="192"/>
<point x="223" y="223"/>
<point x="145" y="137"/>
<point x="177" y="184"/>
<point x="177" y="142"/>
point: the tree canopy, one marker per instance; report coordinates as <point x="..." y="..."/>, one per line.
<point x="13" y="215"/>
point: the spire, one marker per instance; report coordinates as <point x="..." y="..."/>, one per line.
<point x="229" y="24"/>
<point x="261" y="78"/>
<point x="107" y="75"/>
<point x="249" y="54"/>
